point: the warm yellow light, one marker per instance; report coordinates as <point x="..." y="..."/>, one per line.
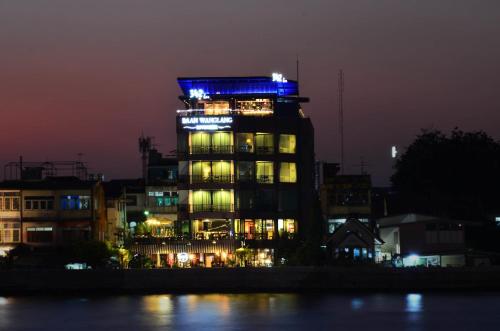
<point x="153" y="221"/>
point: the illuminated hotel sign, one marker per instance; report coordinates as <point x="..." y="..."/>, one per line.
<point x="197" y="94"/>
<point x="206" y="123"/>
<point x="277" y="77"/>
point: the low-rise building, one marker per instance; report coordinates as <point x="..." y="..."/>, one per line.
<point x="51" y="212"/>
<point x="423" y="240"/>
<point x="343" y="196"/>
<point x="353" y="241"/>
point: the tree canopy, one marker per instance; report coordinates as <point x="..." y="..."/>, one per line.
<point x="456" y="175"/>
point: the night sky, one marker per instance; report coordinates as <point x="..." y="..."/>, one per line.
<point x="88" y="76"/>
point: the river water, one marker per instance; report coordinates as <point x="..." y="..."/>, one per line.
<point x="289" y="312"/>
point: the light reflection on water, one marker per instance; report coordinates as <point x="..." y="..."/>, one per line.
<point x="412" y="311"/>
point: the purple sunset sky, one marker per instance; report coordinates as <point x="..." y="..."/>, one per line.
<point x="88" y="76"/>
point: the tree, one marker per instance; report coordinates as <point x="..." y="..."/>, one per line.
<point x="94" y="253"/>
<point x="454" y="176"/>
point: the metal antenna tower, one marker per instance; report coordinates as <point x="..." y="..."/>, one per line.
<point x="297" y="63"/>
<point x="341" y="118"/>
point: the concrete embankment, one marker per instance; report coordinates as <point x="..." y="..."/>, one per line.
<point x="286" y="279"/>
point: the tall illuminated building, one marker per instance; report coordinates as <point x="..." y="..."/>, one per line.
<point x="246" y="163"/>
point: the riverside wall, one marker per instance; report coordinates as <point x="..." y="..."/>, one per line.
<point x="236" y="280"/>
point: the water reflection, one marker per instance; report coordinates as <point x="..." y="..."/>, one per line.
<point x="356" y="303"/>
<point x="414" y="303"/>
<point x="250" y="312"/>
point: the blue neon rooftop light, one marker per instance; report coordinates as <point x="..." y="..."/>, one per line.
<point x="237" y="85"/>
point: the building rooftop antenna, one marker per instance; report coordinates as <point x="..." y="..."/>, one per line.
<point x="297" y="68"/>
<point x="341" y="118"/>
<point x="362" y="165"/>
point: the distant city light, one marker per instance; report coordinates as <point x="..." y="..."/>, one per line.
<point x="394" y="152"/>
<point x="277" y="77"/>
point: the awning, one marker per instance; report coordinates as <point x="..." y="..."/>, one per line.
<point x="191" y="247"/>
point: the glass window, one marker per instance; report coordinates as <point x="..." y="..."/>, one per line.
<point x="202" y="200"/>
<point x="201" y="171"/>
<point x="15" y="203"/>
<point x="200" y="142"/>
<point x="221" y="142"/>
<point x="221" y="171"/>
<point x="288" y="200"/>
<point x="288" y="172"/>
<point x="222" y="200"/>
<point x="245" y="142"/>
<point x="72" y="202"/>
<point x="264" y="172"/>
<point x="216" y="107"/>
<point x="10" y="233"/>
<point x="265" y="200"/>
<point x="290" y="226"/>
<point x="7" y="204"/>
<point x="246" y="200"/>
<point x="245" y="171"/>
<point x="255" y="107"/>
<point x="268" y="227"/>
<point x="264" y="143"/>
<point x="287" y="143"/>
<point x="250" y="229"/>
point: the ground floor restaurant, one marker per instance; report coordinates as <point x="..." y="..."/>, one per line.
<point x="242" y="228"/>
<point x="205" y="253"/>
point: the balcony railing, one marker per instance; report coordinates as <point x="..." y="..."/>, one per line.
<point x="218" y="149"/>
<point x="198" y="112"/>
<point x="226" y="207"/>
<point x="265" y="179"/>
<point x="245" y="148"/>
<point x="212" y="179"/>
<point x="264" y="149"/>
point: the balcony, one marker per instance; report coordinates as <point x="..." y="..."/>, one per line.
<point x="220" y="149"/>
<point x="264" y="150"/>
<point x="245" y="148"/>
<point x="265" y="179"/>
<point x="226" y="207"/>
<point x="196" y="179"/>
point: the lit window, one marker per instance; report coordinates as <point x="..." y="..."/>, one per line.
<point x="201" y="171"/>
<point x="264" y="172"/>
<point x="221" y="142"/>
<point x="216" y="107"/>
<point x="200" y="142"/>
<point x="71" y="202"/>
<point x="221" y="171"/>
<point x="287" y="226"/>
<point x="245" y="143"/>
<point x="264" y="143"/>
<point x="288" y="172"/>
<point x="287" y="143"/>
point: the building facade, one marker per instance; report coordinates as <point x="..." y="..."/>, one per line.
<point x="423" y="240"/>
<point x="343" y="196"/>
<point x="51" y="212"/>
<point x="246" y="163"/>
